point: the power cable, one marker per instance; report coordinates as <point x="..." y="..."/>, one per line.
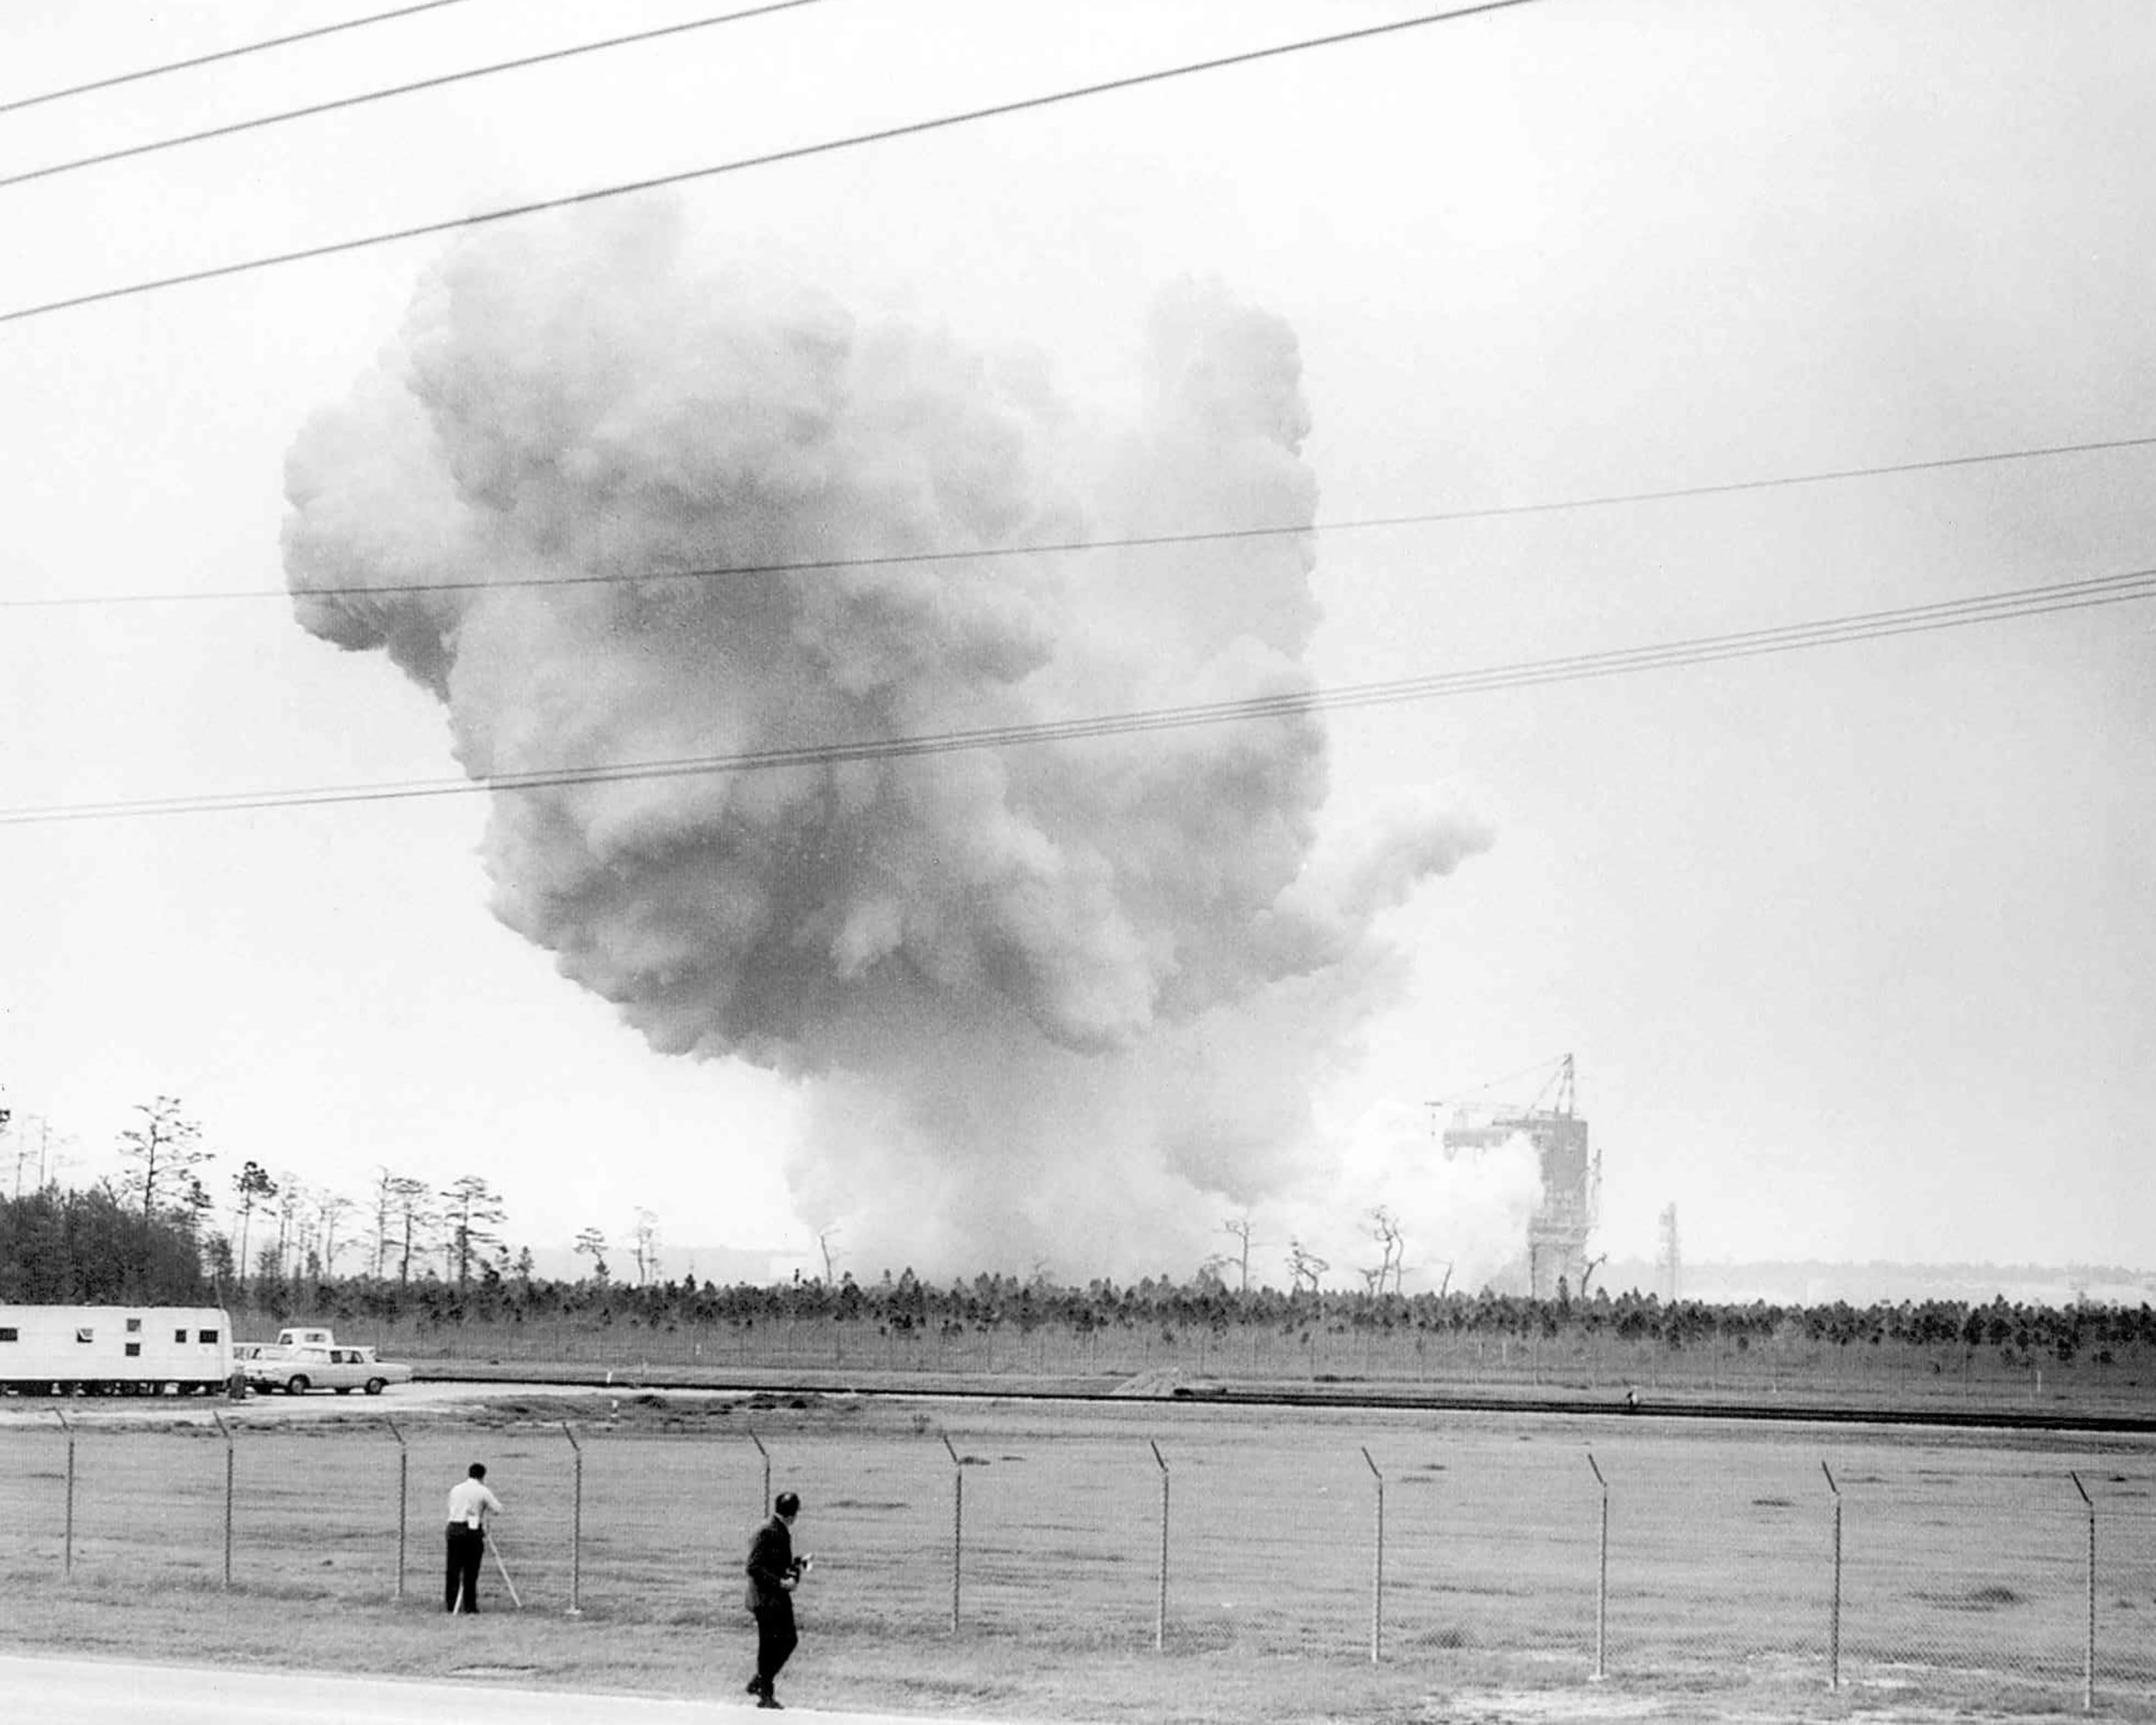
<point x="400" y="89"/>
<point x="1490" y="1084"/>
<point x="797" y="152"/>
<point x="2006" y="605"/>
<point x="222" y="54"/>
<point x="1058" y="547"/>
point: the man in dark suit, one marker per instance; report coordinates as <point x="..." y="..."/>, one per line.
<point x="773" y="1572"/>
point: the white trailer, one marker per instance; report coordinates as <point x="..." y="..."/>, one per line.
<point x="58" y="1350"/>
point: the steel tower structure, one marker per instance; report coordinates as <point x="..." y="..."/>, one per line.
<point x="1569" y="1205"/>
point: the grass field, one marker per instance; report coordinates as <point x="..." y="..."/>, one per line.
<point x="1964" y="1572"/>
<point x="1788" y="1370"/>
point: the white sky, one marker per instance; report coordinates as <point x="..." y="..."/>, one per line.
<point x="1853" y="946"/>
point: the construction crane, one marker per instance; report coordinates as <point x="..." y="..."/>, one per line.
<point x="1559" y="1079"/>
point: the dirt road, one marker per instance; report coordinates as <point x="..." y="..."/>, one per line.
<point x="400" y="1400"/>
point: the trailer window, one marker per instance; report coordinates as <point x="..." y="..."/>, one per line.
<point x="9" y="1334"/>
<point x="134" y="1349"/>
<point x="134" y="1326"/>
<point x="207" y="1335"/>
<point x="179" y="1335"/>
<point x="86" y="1334"/>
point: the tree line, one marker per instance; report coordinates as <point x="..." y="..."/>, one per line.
<point x="437" y="1256"/>
<point x="906" y="1304"/>
<point x="99" y="1247"/>
<point x="258" y="1228"/>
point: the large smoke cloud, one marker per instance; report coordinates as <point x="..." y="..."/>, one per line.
<point x="1060" y="1002"/>
<point x="1462" y="1220"/>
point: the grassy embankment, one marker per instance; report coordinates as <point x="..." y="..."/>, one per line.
<point x="1786" y="1372"/>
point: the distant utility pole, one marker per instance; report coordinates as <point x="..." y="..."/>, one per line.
<point x="1669" y="1265"/>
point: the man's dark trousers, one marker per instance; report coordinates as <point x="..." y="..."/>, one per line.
<point x="775" y="1640"/>
<point x="467" y="1546"/>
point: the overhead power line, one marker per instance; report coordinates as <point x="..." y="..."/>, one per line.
<point x="725" y="572"/>
<point x="799" y="152"/>
<point x="364" y="97"/>
<point x="222" y="54"/>
<point x="2007" y="606"/>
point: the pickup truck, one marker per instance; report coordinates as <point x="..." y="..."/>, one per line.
<point x="301" y="1360"/>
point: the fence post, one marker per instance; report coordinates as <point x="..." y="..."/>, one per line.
<point x="2088" y="1652"/>
<point x="1833" y="1611"/>
<point x="67" y="1537"/>
<point x="576" y="1524"/>
<point x="230" y="1453"/>
<point x="957" y="1526"/>
<point x="1160" y="1613"/>
<point x="1377" y="1576"/>
<point x="1602" y="1580"/>
<point x="403" y="1498"/>
<point x="763" y="1503"/>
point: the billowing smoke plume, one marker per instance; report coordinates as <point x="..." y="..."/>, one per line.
<point x="1058" y="1002"/>
<point x="1460" y="1222"/>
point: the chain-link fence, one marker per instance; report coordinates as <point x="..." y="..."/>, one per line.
<point x="1958" y="1568"/>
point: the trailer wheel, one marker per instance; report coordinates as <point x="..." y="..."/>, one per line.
<point x="374" y="1386"/>
<point x="296" y="1384"/>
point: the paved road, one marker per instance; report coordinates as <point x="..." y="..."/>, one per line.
<point x="78" y="1691"/>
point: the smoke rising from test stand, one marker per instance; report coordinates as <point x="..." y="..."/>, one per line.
<point x="1063" y="1003"/>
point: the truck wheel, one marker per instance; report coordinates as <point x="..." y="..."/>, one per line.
<point x="296" y="1384"/>
<point x="374" y="1386"/>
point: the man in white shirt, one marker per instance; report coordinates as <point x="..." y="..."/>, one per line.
<point x="469" y="1501"/>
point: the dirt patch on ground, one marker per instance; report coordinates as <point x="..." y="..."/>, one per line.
<point x="1160" y="1380"/>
